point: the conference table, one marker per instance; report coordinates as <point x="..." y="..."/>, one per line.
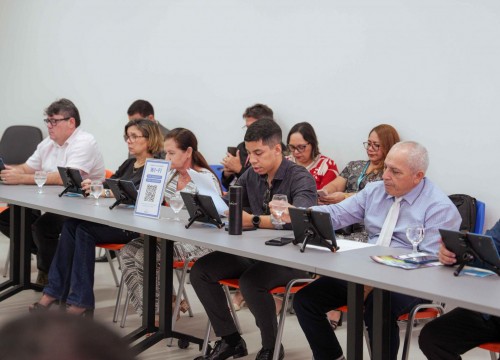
<point x="354" y="266"/>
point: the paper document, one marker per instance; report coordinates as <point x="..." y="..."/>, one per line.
<point x="206" y="186"/>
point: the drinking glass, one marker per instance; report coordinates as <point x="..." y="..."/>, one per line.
<point x="415" y="234"/>
<point x="40" y="179"/>
<point x="176" y="204"/>
<point x="96" y="190"/>
<point x="280" y="202"/>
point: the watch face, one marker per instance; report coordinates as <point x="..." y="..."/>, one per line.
<point x="256" y="220"/>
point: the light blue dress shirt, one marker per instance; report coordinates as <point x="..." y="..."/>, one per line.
<point x="425" y="204"/>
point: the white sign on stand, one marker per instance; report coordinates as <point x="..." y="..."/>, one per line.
<point x="150" y="196"/>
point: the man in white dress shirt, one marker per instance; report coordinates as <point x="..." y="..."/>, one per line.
<point x="69" y="146"/>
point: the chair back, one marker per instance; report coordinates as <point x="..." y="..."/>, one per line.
<point x="217" y="169"/>
<point x="18" y="143"/>
<point x="480" y="215"/>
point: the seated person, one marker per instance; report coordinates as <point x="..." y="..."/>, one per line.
<point x="69" y="146"/>
<point x="235" y="166"/>
<point x="303" y="146"/>
<point x="181" y="149"/>
<point x="414" y="199"/>
<point x="270" y="174"/>
<point x="71" y="275"/>
<point x="459" y="330"/>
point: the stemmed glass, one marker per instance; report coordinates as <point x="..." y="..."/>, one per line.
<point x="415" y="234"/>
<point x="40" y="179"/>
<point x="280" y="202"/>
<point x="176" y="204"/>
<point x="96" y="190"/>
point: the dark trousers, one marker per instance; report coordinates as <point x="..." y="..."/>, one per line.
<point x="256" y="279"/>
<point x="456" y="332"/>
<point x="44" y="236"/>
<point x="313" y="302"/>
<point x="71" y="276"/>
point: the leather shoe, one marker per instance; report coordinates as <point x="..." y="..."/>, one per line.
<point x="104" y="258"/>
<point x="267" y="354"/>
<point x="222" y="350"/>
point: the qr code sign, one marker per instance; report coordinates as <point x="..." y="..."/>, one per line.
<point x="150" y="193"/>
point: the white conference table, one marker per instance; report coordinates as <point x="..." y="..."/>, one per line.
<point x="354" y="266"/>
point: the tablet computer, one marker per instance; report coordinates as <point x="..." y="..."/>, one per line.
<point x="124" y="191"/>
<point x="484" y="246"/>
<point x="201" y="208"/>
<point x="72" y="180"/>
<point x="456" y="242"/>
<point x="312" y="227"/>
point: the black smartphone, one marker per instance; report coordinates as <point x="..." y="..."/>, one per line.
<point x="2" y="165"/>
<point x="279" y="241"/>
<point x="232" y="150"/>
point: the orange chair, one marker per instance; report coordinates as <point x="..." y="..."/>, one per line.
<point x="493" y="348"/>
<point x="291" y="288"/>
<point x="116" y="248"/>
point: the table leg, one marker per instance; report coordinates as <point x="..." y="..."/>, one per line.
<point x="381" y="328"/>
<point x="355" y="321"/>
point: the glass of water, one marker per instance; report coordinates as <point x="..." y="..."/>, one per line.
<point x="40" y="179"/>
<point x="96" y="190"/>
<point x="415" y="234"/>
<point x="280" y="202"/>
<point x="176" y="204"/>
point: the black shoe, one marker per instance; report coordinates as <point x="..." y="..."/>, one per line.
<point x="104" y="258"/>
<point x="267" y="354"/>
<point x="222" y="351"/>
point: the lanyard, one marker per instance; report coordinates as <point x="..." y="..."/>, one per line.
<point x="362" y="175"/>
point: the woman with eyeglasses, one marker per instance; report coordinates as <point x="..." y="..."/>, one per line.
<point x="354" y="178"/>
<point x="181" y="149"/>
<point x="71" y="275"/>
<point x="302" y="144"/>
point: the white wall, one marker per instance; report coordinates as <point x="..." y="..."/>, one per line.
<point x="428" y="67"/>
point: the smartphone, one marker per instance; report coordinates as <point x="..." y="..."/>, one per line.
<point x="232" y="150"/>
<point x="279" y="241"/>
<point x="422" y="259"/>
<point x="2" y="165"/>
<point x="322" y="193"/>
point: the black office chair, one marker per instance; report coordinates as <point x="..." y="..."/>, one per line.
<point x="19" y="142"/>
<point x="16" y="146"/>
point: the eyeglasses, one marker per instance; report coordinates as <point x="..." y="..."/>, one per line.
<point x="369" y="144"/>
<point x="54" y="122"/>
<point x="298" y="148"/>
<point x="132" y="138"/>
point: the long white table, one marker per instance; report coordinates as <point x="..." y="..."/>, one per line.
<point x="355" y="266"/>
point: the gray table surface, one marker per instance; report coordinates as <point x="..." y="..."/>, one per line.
<point x="437" y="283"/>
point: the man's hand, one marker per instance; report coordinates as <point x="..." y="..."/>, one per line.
<point x="446" y="256"/>
<point x="332" y="198"/>
<point x="232" y="164"/>
<point x="12" y="175"/>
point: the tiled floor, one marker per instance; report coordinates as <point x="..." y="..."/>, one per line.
<point x="295" y="344"/>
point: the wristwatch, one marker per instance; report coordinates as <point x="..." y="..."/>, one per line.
<point x="107" y="193"/>
<point x="256" y="221"/>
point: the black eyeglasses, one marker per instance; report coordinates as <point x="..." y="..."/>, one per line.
<point x="298" y="148"/>
<point x="54" y="122"/>
<point x="369" y="144"/>
<point x="132" y="137"/>
<point x="265" y="204"/>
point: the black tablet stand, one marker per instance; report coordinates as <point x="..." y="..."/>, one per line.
<point x="469" y="257"/>
<point x="201" y="214"/>
<point x="312" y="232"/>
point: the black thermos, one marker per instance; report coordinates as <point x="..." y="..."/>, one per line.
<point x="235" y="210"/>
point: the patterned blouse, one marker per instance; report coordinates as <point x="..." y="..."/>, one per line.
<point x="355" y="174"/>
<point x="323" y="169"/>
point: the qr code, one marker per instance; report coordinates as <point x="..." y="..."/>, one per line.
<point x="150" y="193"/>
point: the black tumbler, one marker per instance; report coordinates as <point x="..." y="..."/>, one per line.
<point x="235" y="210"/>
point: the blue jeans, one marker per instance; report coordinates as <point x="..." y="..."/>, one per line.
<point x="71" y="275"/>
<point x="313" y="302"/>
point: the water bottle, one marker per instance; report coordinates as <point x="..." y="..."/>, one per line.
<point x="235" y="210"/>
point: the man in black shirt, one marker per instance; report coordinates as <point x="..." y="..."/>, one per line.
<point x="270" y="174"/>
<point x="236" y="165"/>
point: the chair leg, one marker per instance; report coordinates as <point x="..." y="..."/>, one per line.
<point x="409" y="325"/>
<point x="118" y="300"/>
<point x="113" y="270"/>
<point x="206" y="339"/>
<point x="493" y="355"/>
<point x="124" y="312"/>
<point x="7" y="263"/>
<point x="231" y="308"/>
